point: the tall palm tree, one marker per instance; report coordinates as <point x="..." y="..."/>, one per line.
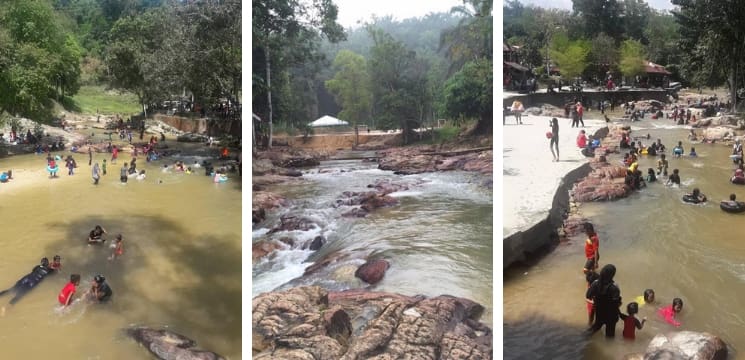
<point x="473" y="38"/>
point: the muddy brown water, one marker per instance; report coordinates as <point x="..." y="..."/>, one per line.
<point x="181" y="267"/>
<point x="695" y="252"/>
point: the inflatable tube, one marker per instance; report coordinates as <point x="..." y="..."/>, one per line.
<point x="727" y="206"/>
<point x="689" y="198"/>
<point x="734" y="157"/>
<point x="739" y="180"/>
<point x="644" y="151"/>
<point x="678" y="151"/>
<point x="53" y="170"/>
<point x="4" y="177"/>
<point x="57" y="158"/>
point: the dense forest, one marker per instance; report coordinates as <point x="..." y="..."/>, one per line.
<point x="385" y="74"/>
<point x="156" y="49"/>
<point x="700" y="41"/>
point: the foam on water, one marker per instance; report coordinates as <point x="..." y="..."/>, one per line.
<point x="283" y="267"/>
<point x="406" y="193"/>
<point x="259" y="232"/>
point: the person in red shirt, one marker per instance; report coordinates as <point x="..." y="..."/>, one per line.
<point x="592" y="244"/>
<point x="630" y="322"/>
<point x="114" y="154"/>
<point x="582" y="140"/>
<point x="580" y="112"/>
<point x="65" y="296"/>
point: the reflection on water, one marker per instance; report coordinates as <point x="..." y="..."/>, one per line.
<point x="181" y="267"/>
<point x="438" y="239"/>
<point x="656" y="241"/>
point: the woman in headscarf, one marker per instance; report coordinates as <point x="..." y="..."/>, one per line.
<point x="606" y="296"/>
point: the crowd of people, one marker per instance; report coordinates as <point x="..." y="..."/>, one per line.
<point x="603" y="296"/>
<point x="99" y="292"/>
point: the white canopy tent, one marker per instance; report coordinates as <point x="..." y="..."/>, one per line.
<point x="328" y="121"/>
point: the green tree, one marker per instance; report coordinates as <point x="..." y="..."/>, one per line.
<point x="350" y="87"/>
<point x="598" y="16"/>
<point x="39" y="61"/>
<point x="663" y="36"/>
<point x="712" y="41"/>
<point x="632" y="58"/>
<point x="473" y="38"/>
<point x="636" y="15"/>
<point x="570" y="56"/>
<point x="399" y="84"/>
<point x="283" y="32"/>
<point x="469" y="92"/>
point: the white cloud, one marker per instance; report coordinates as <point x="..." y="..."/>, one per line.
<point x="351" y="11"/>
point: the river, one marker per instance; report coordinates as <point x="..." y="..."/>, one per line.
<point x="181" y="267"/>
<point x="656" y="241"/>
<point x="438" y="239"/>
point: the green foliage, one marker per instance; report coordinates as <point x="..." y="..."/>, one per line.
<point x="468" y="93"/>
<point x="632" y="58"/>
<point x="473" y="38"/>
<point x="39" y="61"/>
<point x="350" y="86"/>
<point x="606" y="16"/>
<point x="570" y="56"/>
<point x="663" y="37"/>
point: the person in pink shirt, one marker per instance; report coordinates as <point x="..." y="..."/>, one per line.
<point x="668" y="312"/>
<point x="581" y="140"/>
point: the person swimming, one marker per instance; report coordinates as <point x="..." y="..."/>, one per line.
<point x="693" y="152"/>
<point x="695" y="196"/>
<point x="669" y="312"/>
<point x="651" y="177"/>
<point x="678" y="149"/>
<point x="96" y="235"/>
<point x="29" y="281"/>
<point x="662" y="165"/>
<point x="674" y="178"/>
<point x="646" y="298"/>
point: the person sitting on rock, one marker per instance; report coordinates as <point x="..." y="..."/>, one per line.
<point x="582" y="140"/>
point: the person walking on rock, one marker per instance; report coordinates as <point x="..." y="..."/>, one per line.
<point x="554" y="138"/>
<point x="606" y="297"/>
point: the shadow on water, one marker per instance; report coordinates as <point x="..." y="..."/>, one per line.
<point x="165" y="269"/>
<point x="555" y="340"/>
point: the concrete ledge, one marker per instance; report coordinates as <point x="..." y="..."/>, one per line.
<point x="542" y="237"/>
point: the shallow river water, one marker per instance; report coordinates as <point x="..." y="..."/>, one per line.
<point x="181" y="267"/>
<point x="438" y="239"/>
<point x="695" y="252"/>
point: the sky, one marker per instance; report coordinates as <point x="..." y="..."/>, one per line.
<point x="350" y="11"/>
<point x="567" y="4"/>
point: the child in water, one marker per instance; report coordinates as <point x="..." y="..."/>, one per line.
<point x="647" y="298"/>
<point x="118" y="248"/>
<point x="630" y="322"/>
<point x="56" y="263"/>
<point x="678" y="149"/>
<point x="65" y="296"/>
<point x="103" y="167"/>
<point x="662" y="165"/>
<point x="590" y="275"/>
<point x="651" y="177"/>
<point x="693" y="152"/>
<point x="669" y="312"/>
<point x="674" y="178"/>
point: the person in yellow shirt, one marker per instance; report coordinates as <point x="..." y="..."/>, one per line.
<point x="646" y="299"/>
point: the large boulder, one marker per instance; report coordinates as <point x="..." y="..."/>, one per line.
<point x="311" y="323"/>
<point x="372" y="271"/>
<point x="263" y="248"/>
<point x="263" y="201"/>
<point x="605" y="182"/>
<point x="686" y="345"/>
<point x="719" y="133"/>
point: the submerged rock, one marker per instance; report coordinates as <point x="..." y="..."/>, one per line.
<point x="311" y="323"/>
<point x="372" y="271"/>
<point x="684" y="345"/>
<point x="263" y="248"/>
<point x="168" y="345"/>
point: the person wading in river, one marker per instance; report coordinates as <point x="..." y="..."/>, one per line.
<point x="606" y="297"/>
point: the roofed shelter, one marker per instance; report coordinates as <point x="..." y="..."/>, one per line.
<point x="327" y="120"/>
